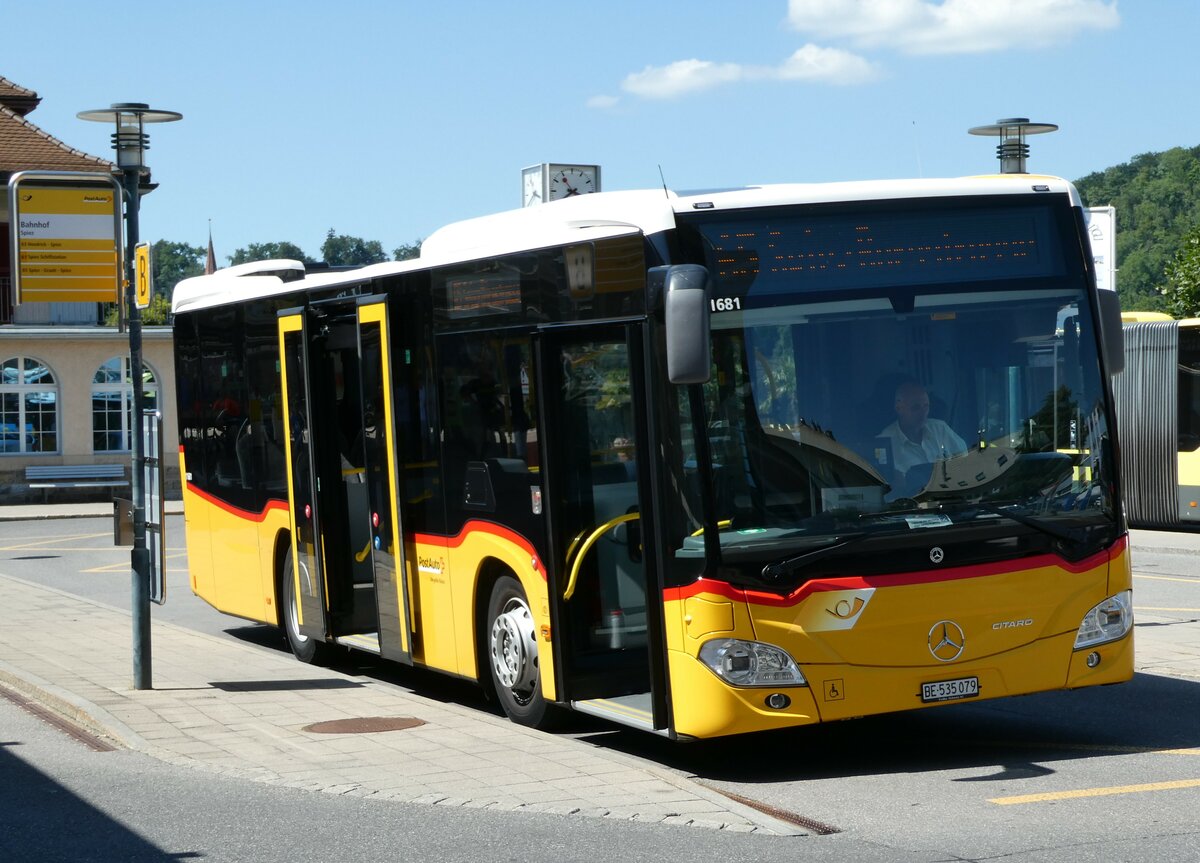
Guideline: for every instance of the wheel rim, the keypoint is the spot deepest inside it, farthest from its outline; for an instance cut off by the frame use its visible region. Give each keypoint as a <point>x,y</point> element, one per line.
<point>514,649</point>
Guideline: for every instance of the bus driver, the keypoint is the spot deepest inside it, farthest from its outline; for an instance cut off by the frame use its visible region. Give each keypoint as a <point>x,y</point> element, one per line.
<point>915,438</point>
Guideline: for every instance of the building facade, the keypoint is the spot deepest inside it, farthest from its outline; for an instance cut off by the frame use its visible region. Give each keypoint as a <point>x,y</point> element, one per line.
<point>65,388</point>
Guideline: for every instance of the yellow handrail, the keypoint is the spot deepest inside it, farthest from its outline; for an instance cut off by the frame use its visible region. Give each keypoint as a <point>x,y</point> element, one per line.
<point>588,543</point>
<point>571,549</point>
<point>726,522</point>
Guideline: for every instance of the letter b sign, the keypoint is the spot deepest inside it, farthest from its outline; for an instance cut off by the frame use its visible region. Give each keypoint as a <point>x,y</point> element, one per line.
<point>142,281</point>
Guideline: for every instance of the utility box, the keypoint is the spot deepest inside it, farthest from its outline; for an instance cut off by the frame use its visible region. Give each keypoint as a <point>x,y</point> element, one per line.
<point>122,522</point>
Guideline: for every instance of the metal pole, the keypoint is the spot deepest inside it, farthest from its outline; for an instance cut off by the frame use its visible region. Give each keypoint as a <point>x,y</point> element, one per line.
<point>140,556</point>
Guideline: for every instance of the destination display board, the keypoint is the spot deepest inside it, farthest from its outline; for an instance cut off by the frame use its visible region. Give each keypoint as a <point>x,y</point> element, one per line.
<point>877,246</point>
<point>482,294</point>
<point>66,238</point>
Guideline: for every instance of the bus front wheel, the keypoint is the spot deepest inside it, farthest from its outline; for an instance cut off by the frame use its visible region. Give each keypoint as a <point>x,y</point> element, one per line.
<point>304,647</point>
<point>513,654</point>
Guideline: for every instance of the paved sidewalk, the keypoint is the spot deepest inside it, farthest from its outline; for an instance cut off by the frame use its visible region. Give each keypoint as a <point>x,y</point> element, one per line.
<point>242,711</point>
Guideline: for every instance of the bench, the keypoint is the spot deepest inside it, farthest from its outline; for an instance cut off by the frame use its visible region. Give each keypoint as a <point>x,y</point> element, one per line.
<point>75,475</point>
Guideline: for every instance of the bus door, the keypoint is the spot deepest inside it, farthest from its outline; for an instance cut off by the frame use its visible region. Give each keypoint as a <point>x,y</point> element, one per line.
<point>607,593</point>
<point>307,575</point>
<point>342,466</point>
<point>381,469</point>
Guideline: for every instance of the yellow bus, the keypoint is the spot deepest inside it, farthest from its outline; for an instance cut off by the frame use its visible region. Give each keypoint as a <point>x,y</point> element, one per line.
<point>637,454</point>
<point>1158,417</point>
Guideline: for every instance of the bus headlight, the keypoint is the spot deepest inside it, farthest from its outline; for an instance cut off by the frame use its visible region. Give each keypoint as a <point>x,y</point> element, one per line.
<point>1108,621</point>
<point>750,663</point>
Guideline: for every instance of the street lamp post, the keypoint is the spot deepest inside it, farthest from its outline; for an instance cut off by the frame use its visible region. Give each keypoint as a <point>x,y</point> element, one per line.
<point>131,141</point>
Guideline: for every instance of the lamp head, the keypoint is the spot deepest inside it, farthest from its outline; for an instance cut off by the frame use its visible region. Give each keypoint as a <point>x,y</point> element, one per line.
<point>130,140</point>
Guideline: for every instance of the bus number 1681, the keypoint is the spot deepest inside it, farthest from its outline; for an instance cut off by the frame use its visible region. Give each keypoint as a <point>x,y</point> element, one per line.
<point>725,304</point>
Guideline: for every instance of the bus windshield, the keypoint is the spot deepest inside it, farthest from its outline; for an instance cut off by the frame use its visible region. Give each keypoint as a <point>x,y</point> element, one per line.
<point>949,407</point>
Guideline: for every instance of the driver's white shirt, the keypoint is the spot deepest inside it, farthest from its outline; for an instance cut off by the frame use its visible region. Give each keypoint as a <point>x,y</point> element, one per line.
<point>938,441</point>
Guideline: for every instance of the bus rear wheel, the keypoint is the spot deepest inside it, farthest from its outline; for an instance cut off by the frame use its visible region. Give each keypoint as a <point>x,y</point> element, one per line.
<point>513,654</point>
<point>304,647</point>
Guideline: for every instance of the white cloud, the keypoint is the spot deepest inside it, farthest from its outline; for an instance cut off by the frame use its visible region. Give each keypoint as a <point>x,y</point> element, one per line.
<point>831,65</point>
<point>682,76</point>
<point>951,26</point>
<point>909,26</point>
<point>810,63</point>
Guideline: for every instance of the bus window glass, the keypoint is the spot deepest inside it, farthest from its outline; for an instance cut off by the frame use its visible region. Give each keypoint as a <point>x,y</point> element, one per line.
<point>1189,389</point>
<point>490,416</point>
<point>804,416</point>
<point>951,386</point>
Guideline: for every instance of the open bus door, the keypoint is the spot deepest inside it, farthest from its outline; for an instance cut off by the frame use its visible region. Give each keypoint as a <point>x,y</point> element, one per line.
<point>304,604</point>
<point>606,591</point>
<point>383,473</point>
<point>347,580</point>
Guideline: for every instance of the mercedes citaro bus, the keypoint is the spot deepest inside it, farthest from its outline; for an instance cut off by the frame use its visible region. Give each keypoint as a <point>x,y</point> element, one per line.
<point>635,453</point>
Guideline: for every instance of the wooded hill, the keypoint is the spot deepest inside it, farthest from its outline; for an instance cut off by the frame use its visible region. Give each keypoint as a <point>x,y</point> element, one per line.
<point>1157,196</point>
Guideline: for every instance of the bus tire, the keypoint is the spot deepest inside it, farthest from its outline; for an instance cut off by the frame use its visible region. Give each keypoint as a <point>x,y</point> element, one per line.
<point>304,648</point>
<point>512,654</point>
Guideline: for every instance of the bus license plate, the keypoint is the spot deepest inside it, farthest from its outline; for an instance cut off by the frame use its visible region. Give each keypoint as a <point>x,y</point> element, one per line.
<point>948,690</point>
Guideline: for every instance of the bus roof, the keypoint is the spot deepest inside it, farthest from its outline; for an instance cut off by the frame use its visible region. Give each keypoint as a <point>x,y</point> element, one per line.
<point>1132,317</point>
<point>583,219</point>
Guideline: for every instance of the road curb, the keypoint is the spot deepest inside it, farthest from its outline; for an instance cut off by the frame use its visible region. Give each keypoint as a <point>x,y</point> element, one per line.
<point>83,713</point>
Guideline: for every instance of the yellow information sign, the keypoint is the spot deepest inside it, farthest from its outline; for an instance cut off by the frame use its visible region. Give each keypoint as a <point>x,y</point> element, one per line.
<point>141,273</point>
<point>67,241</point>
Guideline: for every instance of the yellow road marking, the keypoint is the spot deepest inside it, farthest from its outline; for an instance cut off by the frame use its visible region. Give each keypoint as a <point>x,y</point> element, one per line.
<point>1095,792</point>
<point>1167,578</point>
<point>1098,747</point>
<point>26,546</point>
<point>88,550</point>
<point>123,565</point>
<point>112,567</point>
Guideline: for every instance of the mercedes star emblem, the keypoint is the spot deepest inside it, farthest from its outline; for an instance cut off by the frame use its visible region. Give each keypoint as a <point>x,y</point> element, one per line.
<point>946,640</point>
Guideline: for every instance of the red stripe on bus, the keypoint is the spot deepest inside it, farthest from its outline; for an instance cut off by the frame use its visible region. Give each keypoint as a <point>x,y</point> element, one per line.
<point>480,526</point>
<point>237,511</point>
<point>474,526</point>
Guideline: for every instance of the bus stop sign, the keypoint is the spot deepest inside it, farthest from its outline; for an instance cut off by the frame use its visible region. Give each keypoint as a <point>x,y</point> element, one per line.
<point>142,277</point>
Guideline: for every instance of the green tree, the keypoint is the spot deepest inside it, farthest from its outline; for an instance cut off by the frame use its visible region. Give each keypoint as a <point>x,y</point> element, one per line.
<point>1157,196</point>
<point>172,262</point>
<point>340,250</point>
<point>1182,289</point>
<point>407,251</point>
<point>268,252</point>
<point>158,313</point>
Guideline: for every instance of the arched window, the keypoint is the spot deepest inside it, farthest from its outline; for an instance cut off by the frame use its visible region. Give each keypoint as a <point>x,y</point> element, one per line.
<point>113,425</point>
<point>28,407</point>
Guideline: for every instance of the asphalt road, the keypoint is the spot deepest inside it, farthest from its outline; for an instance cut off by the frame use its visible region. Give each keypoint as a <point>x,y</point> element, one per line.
<point>61,801</point>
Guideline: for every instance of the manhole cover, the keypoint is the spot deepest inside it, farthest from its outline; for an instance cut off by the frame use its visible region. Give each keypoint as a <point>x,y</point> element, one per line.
<point>364,725</point>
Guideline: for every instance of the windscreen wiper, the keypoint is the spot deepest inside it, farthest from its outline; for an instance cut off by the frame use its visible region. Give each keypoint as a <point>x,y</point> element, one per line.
<point>1073,535</point>
<point>781,569</point>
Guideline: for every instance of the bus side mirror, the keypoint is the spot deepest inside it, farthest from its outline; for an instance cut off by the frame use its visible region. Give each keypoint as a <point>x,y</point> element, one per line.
<point>689,352</point>
<point>1112,334</point>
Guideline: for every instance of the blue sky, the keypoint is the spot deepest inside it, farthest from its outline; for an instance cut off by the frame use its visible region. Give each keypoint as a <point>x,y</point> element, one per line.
<point>386,120</point>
